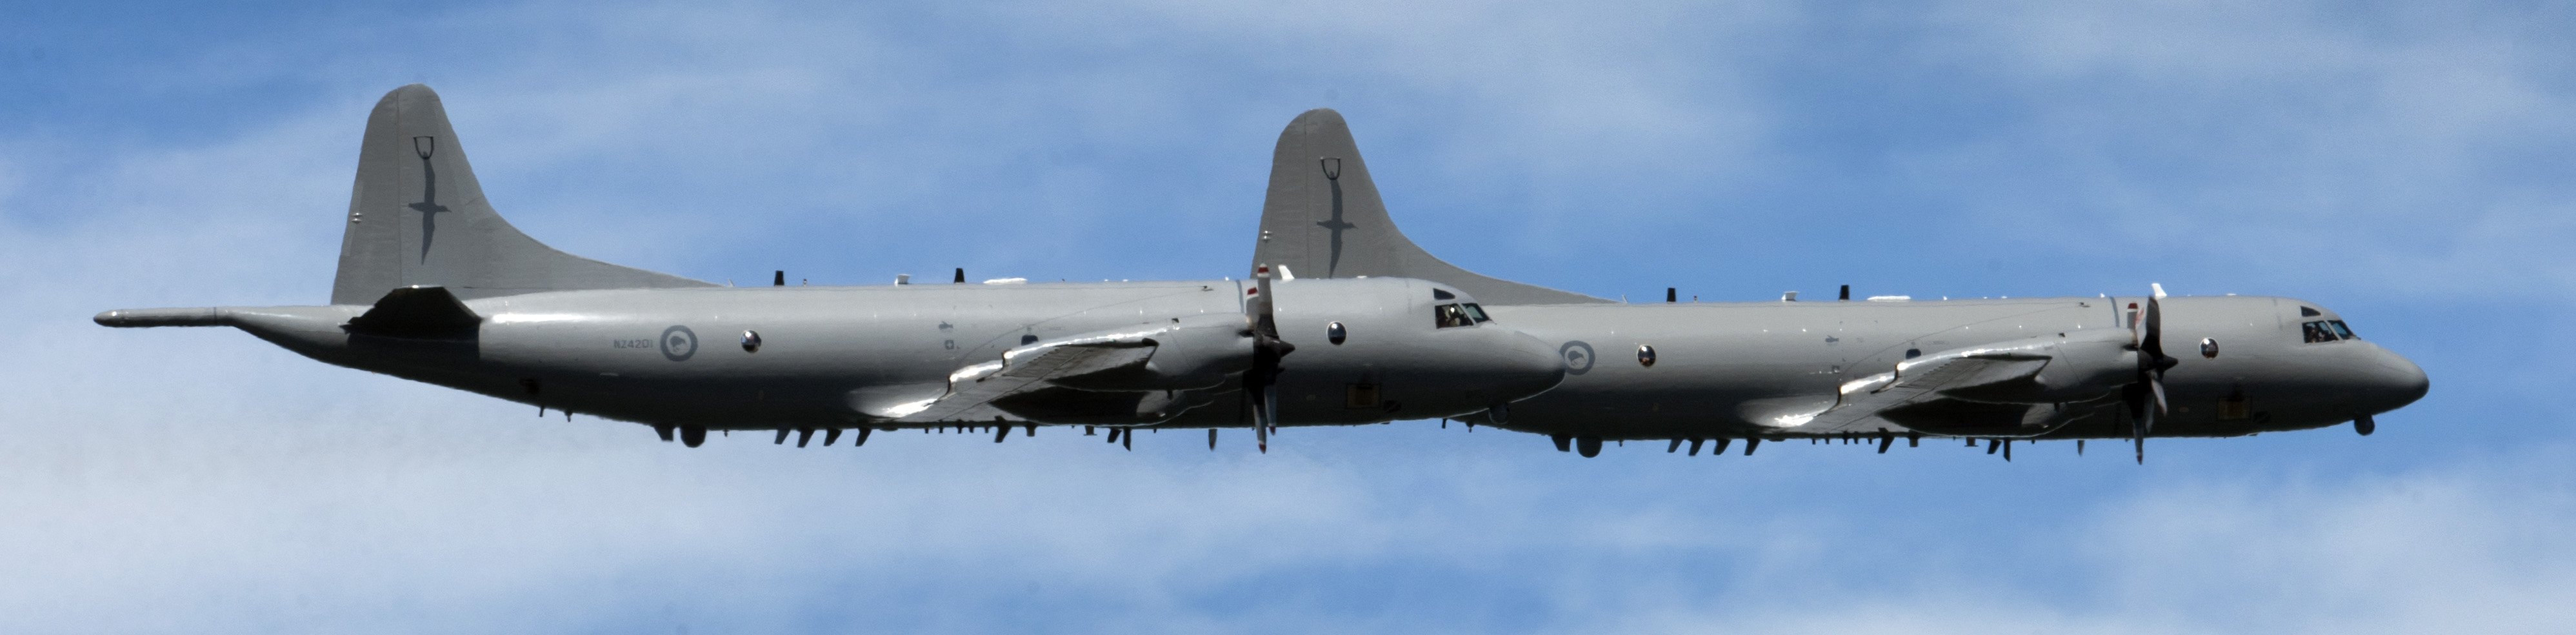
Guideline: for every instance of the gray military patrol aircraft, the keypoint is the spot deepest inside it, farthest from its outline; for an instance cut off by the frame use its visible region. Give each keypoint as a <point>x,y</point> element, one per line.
<point>434,286</point>
<point>1874,370</point>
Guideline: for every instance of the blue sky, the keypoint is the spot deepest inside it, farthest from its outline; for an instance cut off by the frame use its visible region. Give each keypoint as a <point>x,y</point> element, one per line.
<point>2411,165</point>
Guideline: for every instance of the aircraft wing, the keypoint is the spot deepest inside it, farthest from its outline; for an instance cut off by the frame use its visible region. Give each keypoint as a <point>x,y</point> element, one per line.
<point>1915,395</point>
<point>1988,391</point>
<point>1096,378</point>
<point>972,390</point>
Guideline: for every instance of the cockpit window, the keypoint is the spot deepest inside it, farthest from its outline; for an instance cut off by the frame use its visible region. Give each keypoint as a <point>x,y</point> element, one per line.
<point>1449,315</point>
<point>1442,294</point>
<point>2309,312</point>
<point>2325,331</point>
<point>1477,312</point>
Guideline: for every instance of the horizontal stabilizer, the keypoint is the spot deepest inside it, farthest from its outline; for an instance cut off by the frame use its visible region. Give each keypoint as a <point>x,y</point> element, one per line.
<point>418,312</point>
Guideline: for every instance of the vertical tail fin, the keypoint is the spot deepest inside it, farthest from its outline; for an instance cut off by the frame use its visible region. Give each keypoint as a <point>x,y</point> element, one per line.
<point>417,218</point>
<point>1323,219</point>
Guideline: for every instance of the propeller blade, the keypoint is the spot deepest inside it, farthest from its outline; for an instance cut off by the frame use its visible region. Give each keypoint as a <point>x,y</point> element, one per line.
<point>1267,348</point>
<point>2151,331</point>
<point>2144,422</point>
<point>2146,397</point>
<point>1269,419</point>
<point>1263,404</point>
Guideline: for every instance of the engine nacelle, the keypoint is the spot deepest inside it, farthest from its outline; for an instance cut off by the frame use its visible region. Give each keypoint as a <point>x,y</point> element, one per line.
<point>1366,350</point>
<point>1192,353</point>
<point>2069,369</point>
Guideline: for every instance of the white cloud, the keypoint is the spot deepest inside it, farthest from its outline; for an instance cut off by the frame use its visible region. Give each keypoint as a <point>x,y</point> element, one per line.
<point>2459,549</point>
<point>2388,141</point>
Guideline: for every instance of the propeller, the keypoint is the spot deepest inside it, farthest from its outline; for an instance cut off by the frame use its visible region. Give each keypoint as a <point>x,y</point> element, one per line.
<point>2146,396</point>
<point>1267,348</point>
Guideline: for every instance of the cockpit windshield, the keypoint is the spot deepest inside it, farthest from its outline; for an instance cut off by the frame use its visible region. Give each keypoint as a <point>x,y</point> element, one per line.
<point>1477,312</point>
<point>2325,331</point>
<point>1452,315</point>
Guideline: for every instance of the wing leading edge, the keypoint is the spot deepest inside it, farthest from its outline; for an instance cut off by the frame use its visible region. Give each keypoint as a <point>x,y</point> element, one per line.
<point>1127,377</point>
<point>2020,390</point>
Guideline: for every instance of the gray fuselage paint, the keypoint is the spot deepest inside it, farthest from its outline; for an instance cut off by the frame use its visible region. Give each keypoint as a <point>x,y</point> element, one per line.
<point>1724,369</point>
<point>672,356</point>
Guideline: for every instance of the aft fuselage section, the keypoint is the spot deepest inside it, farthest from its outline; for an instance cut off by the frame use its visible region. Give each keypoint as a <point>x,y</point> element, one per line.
<point>807,357</point>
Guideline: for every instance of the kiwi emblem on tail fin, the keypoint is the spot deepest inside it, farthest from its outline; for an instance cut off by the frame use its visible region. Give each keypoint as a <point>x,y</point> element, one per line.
<point>1336,226</point>
<point>417,218</point>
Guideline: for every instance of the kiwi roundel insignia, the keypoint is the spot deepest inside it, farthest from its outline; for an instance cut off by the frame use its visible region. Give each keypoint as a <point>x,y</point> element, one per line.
<point>678,343</point>
<point>1578,357</point>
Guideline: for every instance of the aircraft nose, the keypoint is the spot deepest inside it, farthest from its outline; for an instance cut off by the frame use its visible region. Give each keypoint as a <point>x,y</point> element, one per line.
<point>1534,366</point>
<point>2391,381</point>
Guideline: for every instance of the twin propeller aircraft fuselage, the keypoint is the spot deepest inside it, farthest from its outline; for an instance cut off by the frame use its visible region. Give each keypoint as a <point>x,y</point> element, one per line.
<point>1343,322</point>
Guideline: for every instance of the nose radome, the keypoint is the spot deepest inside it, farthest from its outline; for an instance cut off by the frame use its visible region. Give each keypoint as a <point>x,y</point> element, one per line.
<point>1536,363</point>
<point>2395,381</point>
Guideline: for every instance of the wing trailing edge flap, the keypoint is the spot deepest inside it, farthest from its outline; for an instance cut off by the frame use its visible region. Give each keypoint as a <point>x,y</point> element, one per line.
<point>1126,377</point>
<point>1990,391</point>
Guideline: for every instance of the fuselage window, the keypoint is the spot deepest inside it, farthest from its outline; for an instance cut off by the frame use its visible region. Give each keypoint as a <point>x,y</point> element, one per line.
<point>1449,315</point>
<point>1476,312</point>
<point>1336,333</point>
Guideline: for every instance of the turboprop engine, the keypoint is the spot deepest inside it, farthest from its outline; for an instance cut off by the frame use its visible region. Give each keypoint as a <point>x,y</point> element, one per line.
<point>1191,353</point>
<point>2077,367</point>
<point>1331,351</point>
<point>1127,376</point>
<point>2069,368</point>
<point>2041,383</point>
